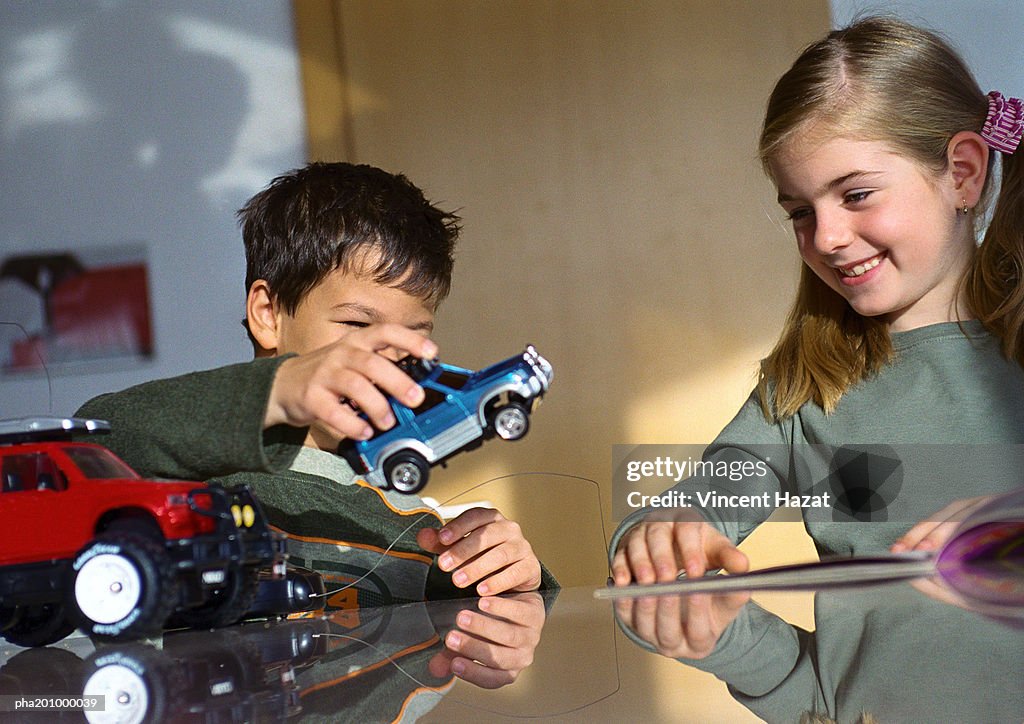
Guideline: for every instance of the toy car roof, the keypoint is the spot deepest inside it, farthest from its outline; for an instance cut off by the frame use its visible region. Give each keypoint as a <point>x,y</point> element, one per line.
<point>38,429</point>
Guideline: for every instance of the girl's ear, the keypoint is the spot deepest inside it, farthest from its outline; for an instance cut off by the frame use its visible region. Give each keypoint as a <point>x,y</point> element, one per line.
<point>261,313</point>
<point>967,155</point>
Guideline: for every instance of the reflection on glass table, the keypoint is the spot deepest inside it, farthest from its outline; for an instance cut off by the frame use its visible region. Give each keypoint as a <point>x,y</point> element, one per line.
<point>900,651</point>
<point>392,663</point>
<point>892,651</point>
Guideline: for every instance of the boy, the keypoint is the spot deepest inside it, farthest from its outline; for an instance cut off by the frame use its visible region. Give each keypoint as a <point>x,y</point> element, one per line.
<point>346,266</point>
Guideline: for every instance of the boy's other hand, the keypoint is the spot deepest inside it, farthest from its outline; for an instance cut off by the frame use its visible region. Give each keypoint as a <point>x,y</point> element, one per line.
<point>482,545</point>
<point>328,386</point>
<point>656,552</point>
<point>490,647</point>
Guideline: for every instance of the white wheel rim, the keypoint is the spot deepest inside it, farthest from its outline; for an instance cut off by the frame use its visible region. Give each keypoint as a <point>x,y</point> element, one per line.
<point>126,699</point>
<point>107,588</point>
<point>405,476</point>
<point>511,423</point>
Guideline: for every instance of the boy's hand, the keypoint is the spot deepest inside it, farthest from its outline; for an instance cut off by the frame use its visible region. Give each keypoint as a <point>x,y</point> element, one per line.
<point>681,626</point>
<point>655,552</point>
<point>482,545</point>
<point>328,385</point>
<point>931,534</point>
<point>490,647</point>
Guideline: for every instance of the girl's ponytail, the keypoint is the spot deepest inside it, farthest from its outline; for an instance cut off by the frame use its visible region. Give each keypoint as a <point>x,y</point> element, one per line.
<point>994,290</point>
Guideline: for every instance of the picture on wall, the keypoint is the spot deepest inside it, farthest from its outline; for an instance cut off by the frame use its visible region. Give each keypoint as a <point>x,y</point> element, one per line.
<point>68,308</point>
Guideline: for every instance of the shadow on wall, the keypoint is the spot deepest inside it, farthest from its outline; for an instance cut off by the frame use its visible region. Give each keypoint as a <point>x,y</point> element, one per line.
<point>102,136</point>
<point>143,124</point>
<point>105,110</point>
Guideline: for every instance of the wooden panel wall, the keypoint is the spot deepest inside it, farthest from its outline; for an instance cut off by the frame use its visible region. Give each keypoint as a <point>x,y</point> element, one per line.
<point>603,157</point>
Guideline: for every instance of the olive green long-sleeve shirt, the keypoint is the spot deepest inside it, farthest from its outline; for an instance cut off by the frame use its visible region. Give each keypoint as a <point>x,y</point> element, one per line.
<point>208,426</point>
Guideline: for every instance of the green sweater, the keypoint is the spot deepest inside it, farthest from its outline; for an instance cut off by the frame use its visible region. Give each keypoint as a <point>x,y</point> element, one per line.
<point>943,421</point>
<point>208,426</point>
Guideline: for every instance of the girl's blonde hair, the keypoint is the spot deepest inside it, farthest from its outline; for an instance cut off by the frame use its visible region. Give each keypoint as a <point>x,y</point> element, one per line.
<point>881,79</point>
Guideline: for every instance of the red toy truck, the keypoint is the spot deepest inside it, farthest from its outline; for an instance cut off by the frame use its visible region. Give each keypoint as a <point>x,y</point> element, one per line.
<point>84,541</point>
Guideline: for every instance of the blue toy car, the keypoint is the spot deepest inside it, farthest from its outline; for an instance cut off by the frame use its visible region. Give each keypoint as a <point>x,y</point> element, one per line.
<point>462,408</point>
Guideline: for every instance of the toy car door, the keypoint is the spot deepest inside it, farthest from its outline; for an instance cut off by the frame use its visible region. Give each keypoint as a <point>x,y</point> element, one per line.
<point>443,422</point>
<point>38,522</point>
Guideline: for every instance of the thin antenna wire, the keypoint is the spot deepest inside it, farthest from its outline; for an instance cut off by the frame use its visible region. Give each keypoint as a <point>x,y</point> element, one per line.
<point>42,362</point>
<point>469,705</point>
<point>380,559</point>
<point>604,535</point>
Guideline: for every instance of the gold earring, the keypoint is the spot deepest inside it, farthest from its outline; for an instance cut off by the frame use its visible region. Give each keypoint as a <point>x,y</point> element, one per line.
<point>964,210</point>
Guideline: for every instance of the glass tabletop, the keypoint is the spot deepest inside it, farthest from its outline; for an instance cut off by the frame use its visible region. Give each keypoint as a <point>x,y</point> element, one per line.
<point>898,652</point>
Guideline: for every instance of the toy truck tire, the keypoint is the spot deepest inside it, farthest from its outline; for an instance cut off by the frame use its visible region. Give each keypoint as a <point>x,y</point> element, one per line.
<point>227,606</point>
<point>37,625</point>
<point>406,471</point>
<point>137,680</point>
<point>122,586</point>
<point>126,691</point>
<point>511,421</point>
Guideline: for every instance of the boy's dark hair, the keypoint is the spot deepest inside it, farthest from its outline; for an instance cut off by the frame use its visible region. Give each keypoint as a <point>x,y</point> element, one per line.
<point>323,216</point>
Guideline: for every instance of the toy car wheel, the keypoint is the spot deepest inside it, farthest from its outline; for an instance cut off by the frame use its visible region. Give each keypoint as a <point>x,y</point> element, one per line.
<point>511,421</point>
<point>124,690</point>
<point>136,680</point>
<point>123,586</point>
<point>56,672</point>
<point>37,625</point>
<point>226,605</point>
<point>406,472</point>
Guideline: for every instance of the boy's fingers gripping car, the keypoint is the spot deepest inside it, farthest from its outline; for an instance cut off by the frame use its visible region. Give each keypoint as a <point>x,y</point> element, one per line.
<point>461,409</point>
<point>85,541</point>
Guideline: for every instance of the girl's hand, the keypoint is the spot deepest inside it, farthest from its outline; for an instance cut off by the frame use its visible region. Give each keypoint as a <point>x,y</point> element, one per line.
<point>681,626</point>
<point>656,552</point>
<point>482,545</point>
<point>931,534</point>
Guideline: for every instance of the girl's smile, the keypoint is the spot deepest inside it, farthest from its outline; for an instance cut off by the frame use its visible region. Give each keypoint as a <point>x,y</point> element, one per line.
<point>878,229</point>
<point>859,269</point>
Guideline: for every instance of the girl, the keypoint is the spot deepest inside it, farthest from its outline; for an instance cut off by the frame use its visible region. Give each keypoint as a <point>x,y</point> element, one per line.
<point>904,331</point>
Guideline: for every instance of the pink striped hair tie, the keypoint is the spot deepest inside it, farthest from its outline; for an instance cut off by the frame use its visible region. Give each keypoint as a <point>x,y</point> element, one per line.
<point>1004,124</point>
